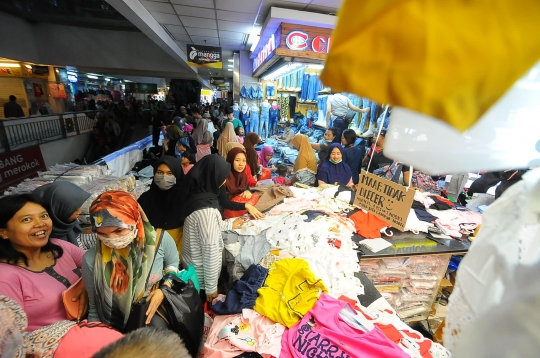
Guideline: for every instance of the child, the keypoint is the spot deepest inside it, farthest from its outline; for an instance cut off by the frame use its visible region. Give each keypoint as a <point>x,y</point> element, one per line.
<point>188,160</point>
<point>281,172</point>
<point>240,134</point>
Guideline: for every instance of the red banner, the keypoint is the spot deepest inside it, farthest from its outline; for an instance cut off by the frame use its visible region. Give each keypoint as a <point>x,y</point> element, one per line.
<point>18,165</point>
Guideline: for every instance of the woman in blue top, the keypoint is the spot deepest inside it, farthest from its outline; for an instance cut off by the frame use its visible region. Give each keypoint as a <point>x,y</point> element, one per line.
<point>334,170</point>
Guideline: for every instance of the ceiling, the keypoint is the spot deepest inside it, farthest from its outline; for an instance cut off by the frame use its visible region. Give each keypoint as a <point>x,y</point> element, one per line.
<point>225,23</point>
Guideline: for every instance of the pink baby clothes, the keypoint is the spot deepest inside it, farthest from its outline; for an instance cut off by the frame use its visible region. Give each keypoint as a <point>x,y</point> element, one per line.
<point>202,151</point>
<point>40,293</point>
<point>322,333</point>
<point>246,332</point>
<point>240,139</point>
<point>279,180</point>
<point>292,205</point>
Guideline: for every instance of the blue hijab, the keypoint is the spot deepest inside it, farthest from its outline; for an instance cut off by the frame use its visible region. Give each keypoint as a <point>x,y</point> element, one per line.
<point>331,173</point>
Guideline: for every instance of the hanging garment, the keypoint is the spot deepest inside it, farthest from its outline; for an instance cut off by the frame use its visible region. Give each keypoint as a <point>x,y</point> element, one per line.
<point>323,332</point>
<point>290,291</point>
<point>498,280</point>
<point>457,92</point>
<point>244,92</point>
<point>254,121</point>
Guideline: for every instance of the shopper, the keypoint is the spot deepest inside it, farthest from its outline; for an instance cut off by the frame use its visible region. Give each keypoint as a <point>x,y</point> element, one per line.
<point>12,109</point>
<point>334,170</point>
<point>337,107</point>
<point>201,135</point>
<point>352,155</point>
<point>188,160</point>
<point>239,179</point>
<point>305,165</point>
<point>240,134</point>
<point>35,270</point>
<point>266,153</point>
<point>252,139</point>
<point>281,171</point>
<point>230,146</point>
<point>380,160</point>
<point>287,135</point>
<point>231,119</point>
<point>112,131</point>
<point>330,136</point>
<point>174,134</point>
<point>203,243</point>
<point>127,249</point>
<point>165,193</point>
<point>227,136</point>
<point>63,201</point>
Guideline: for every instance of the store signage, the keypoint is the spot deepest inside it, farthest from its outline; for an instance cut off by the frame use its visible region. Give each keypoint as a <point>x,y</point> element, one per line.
<point>299,41</point>
<point>389,201</point>
<point>204,56</point>
<point>19,165</point>
<point>10,71</point>
<point>72,76</point>
<point>266,52</point>
<point>137,87</point>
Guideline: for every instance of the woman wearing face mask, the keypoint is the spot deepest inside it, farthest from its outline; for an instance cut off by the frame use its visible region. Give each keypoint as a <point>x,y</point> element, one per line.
<point>203,243</point>
<point>330,136</point>
<point>334,170</point>
<point>63,201</point>
<point>164,194</point>
<point>115,271</point>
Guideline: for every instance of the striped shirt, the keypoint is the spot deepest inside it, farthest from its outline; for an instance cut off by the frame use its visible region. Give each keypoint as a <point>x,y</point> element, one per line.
<point>203,246</point>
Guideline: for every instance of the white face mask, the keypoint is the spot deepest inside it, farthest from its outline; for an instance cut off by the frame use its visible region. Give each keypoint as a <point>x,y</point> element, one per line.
<point>164,182</point>
<point>118,242</point>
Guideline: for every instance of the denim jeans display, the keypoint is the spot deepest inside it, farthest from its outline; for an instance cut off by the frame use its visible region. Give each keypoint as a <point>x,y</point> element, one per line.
<point>305,86</point>
<point>321,104</point>
<point>253,122</point>
<point>384,121</point>
<point>244,92</point>
<point>236,113</point>
<point>373,112</point>
<point>263,124</point>
<point>365,104</point>
<point>273,118</point>
<point>270,90</point>
<point>244,118</point>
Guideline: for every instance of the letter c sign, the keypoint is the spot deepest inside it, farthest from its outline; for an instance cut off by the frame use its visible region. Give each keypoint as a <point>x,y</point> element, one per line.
<point>297,40</point>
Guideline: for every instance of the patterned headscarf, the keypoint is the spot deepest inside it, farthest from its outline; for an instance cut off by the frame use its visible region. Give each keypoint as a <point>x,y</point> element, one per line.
<point>120,274</point>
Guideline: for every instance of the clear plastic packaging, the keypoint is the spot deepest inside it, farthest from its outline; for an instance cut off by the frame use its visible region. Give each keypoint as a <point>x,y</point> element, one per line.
<point>407,296</point>
<point>423,284</point>
<point>411,312</point>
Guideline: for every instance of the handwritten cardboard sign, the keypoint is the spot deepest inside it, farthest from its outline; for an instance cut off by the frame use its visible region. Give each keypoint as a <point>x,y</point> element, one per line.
<point>389,201</point>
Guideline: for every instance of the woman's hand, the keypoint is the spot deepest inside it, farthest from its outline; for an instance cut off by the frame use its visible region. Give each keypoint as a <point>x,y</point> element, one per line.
<point>165,141</point>
<point>82,297</point>
<point>181,148</point>
<point>211,297</point>
<point>237,224</point>
<point>246,194</point>
<point>254,212</point>
<point>155,297</point>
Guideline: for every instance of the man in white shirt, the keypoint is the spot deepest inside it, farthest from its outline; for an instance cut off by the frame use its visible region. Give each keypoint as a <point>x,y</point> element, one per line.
<point>337,107</point>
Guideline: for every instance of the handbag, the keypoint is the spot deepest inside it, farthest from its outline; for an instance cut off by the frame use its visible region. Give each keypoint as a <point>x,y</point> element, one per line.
<point>185,312</point>
<point>137,314</point>
<point>229,214</point>
<point>72,308</point>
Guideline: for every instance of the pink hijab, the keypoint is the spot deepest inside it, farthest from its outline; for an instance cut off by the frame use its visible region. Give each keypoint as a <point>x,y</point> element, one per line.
<point>263,153</point>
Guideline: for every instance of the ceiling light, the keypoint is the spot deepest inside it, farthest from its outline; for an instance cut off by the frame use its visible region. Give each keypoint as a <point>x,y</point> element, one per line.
<point>255,32</point>
<point>9,64</point>
<point>231,60</point>
<point>230,69</point>
<point>28,66</point>
<point>107,79</point>
<point>231,66</point>
<point>92,77</point>
<point>255,43</point>
<point>283,70</point>
<point>71,73</point>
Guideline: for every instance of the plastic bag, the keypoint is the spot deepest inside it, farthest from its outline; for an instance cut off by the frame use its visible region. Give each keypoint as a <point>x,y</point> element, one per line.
<point>190,274</point>
<point>185,313</point>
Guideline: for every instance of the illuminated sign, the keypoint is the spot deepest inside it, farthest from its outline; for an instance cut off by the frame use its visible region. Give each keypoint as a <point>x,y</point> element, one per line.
<point>266,52</point>
<point>72,77</point>
<point>299,41</point>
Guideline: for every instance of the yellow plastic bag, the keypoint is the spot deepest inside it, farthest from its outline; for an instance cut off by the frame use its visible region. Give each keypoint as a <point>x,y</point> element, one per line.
<point>451,60</point>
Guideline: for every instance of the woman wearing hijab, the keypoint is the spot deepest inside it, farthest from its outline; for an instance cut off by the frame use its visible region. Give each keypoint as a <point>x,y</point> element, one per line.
<point>203,243</point>
<point>63,201</point>
<point>169,144</point>
<point>164,194</point>
<point>238,181</point>
<point>115,271</point>
<point>252,139</point>
<point>305,165</point>
<point>227,136</point>
<point>230,146</point>
<point>334,170</point>
<point>203,138</point>
<point>266,153</point>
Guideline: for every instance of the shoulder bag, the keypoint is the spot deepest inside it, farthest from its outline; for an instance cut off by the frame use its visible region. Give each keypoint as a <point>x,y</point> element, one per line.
<point>137,315</point>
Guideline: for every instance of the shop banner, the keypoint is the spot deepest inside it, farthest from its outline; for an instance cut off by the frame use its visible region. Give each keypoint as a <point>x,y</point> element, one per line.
<point>389,201</point>
<point>137,87</point>
<point>20,164</point>
<point>10,71</point>
<point>204,56</point>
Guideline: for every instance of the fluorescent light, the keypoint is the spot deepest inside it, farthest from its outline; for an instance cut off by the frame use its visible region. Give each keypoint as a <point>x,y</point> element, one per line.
<point>28,66</point>
<point>255,43</point>
<point>107,79</point>
<point>254,35</point>
<point>230,69</point>
<point>92,77</point>
<point>9,64</point>
<point>230,60</point>
<point>71,73</point>
<point>231,66</point>
<point>284,70</point>
<point>316,67</point>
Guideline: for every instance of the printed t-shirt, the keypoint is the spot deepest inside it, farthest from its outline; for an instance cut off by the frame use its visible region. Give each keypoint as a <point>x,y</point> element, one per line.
<point>368,225</point>
<point>322,333</point>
